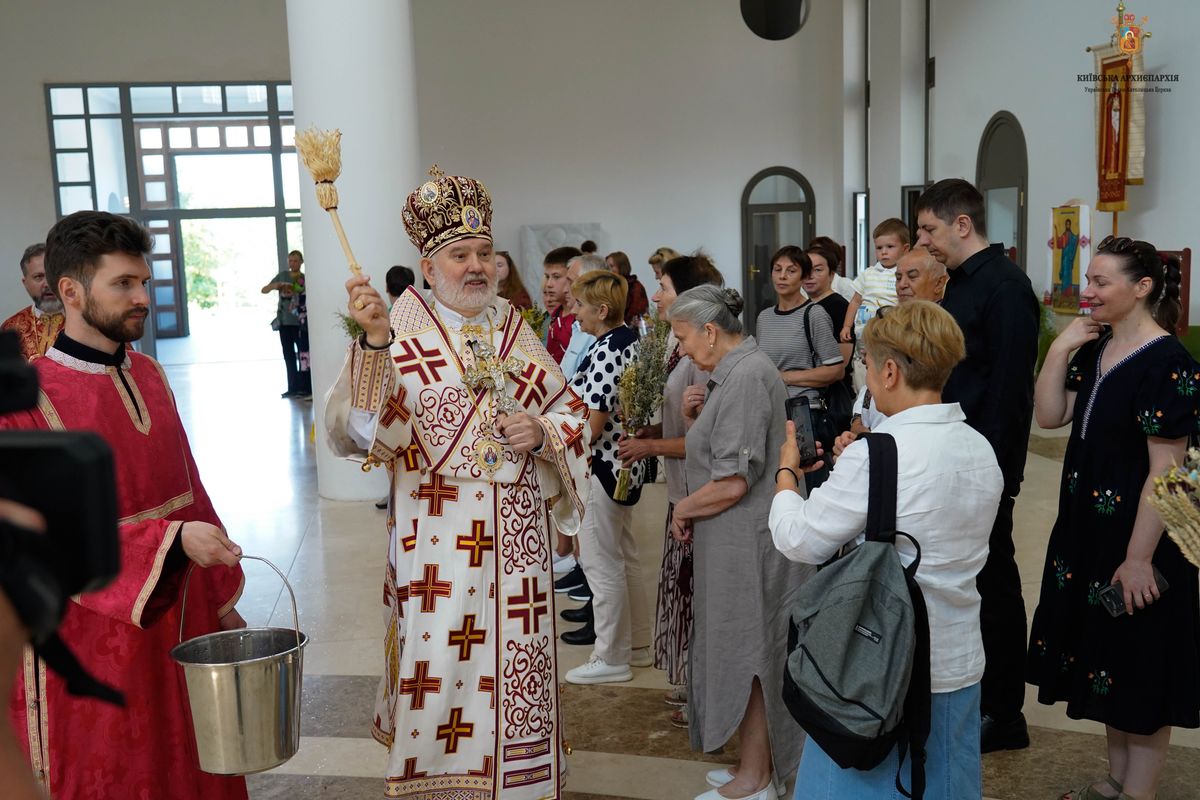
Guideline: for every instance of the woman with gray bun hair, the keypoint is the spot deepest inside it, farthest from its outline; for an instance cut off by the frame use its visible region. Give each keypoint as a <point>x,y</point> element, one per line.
<point>742,585</point>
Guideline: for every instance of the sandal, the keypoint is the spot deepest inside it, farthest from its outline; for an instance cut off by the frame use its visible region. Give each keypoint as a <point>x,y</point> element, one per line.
<point>679,717</point>
<point>1088,793</point>
<point>676,697</point>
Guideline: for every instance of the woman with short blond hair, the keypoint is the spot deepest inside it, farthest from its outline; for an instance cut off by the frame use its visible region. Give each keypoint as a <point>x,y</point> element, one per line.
<point>948,490</point>
<point>620,624</point>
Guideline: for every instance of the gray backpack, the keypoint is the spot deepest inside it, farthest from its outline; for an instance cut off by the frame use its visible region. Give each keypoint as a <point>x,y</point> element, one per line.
<point>857,677</point>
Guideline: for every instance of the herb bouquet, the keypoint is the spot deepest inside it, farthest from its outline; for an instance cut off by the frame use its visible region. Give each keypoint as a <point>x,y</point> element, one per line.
<point>640,391</point>
<point>535,317</point>
<point>1176,498</point>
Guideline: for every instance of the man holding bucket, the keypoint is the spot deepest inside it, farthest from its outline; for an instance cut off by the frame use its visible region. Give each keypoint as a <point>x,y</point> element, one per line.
<point>81,747</point>
<point>458,398</point>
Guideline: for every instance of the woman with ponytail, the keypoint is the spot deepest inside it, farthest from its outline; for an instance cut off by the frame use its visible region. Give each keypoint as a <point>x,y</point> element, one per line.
<point>1131,394</point>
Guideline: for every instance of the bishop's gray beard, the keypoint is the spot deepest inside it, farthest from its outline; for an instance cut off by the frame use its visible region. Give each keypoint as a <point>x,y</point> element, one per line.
<point>466,301</point>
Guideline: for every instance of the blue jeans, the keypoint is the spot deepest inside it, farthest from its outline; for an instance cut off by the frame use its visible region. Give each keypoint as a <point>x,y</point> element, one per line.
<point>953,769</point>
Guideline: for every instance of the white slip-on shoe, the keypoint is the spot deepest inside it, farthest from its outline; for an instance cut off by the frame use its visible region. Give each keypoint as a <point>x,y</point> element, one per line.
<point>596,670</point>
<point>765,794</point>
<point>641,657</point>
<point>720,777</point>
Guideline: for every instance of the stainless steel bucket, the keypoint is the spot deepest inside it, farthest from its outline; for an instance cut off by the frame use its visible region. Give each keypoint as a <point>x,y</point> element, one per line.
<point>244,689</point>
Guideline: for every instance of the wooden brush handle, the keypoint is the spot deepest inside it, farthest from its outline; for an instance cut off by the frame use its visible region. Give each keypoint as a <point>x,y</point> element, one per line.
<point>341,234</point>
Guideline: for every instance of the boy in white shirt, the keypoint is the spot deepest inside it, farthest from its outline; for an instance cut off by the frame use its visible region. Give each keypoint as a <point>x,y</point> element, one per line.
<point>875,288</point>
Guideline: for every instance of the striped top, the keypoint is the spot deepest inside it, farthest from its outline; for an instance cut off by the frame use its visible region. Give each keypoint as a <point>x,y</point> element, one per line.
<point>877,285</point>
<point>781,336</point>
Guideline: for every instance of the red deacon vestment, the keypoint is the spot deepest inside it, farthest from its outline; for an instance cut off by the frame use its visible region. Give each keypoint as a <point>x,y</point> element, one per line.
<point>36,331</point>
<point>85,748</point>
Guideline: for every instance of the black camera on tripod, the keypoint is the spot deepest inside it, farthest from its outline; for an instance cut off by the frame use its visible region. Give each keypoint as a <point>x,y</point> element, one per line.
<point>68,477</point>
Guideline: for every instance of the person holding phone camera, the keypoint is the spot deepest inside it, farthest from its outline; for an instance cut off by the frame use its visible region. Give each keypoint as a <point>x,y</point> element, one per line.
<point>1131,395</point>
<point>948,487</point>
<point>742,586</point>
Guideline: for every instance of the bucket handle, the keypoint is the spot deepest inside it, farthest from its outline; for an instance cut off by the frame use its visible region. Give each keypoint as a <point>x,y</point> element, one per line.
<point>295,615</point>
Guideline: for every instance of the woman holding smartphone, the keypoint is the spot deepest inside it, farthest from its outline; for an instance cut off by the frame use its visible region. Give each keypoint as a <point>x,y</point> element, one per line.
<point>1130,394</point>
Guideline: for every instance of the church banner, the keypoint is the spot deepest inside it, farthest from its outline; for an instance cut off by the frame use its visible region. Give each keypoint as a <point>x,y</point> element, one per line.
<point>1120,124</point>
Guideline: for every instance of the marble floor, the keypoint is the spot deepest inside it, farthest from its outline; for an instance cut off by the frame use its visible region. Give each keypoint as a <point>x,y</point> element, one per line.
<point>256,458</point>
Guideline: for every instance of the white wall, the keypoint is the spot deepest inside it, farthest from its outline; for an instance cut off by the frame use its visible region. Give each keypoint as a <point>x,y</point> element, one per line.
<point>117,40</point>
<point>648,117</point>
<point>982,70</point>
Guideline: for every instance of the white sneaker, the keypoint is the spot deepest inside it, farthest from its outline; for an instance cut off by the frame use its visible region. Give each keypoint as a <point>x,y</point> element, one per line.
<point>596,670</point>
<point>715,794</point>
<point>641,657</point>
<point>563,563</point>
<point>720,777</point>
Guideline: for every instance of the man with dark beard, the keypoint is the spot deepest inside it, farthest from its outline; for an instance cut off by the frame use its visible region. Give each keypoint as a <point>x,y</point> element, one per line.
<point>78,747</point>
<point>39,324</point>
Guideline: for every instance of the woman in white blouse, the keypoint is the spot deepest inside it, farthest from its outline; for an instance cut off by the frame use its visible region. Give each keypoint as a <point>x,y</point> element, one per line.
<point>948,490</point>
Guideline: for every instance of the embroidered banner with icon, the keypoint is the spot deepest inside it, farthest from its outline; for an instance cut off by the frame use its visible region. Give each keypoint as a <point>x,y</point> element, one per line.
<point>1120,125</point>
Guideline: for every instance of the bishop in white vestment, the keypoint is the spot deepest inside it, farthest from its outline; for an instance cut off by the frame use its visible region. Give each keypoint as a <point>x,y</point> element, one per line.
<point>484,441</point>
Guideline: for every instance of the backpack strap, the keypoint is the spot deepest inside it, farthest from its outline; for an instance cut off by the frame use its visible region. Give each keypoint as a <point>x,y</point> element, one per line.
<point>917,711</point>
<point>812,351</point>
<point>881,496</point>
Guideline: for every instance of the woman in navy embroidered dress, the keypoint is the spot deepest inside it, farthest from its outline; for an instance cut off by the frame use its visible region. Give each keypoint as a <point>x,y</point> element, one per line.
<point>1131,395</point>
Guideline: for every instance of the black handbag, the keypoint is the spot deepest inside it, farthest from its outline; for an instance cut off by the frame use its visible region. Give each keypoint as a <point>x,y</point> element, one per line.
<point>837,401</point>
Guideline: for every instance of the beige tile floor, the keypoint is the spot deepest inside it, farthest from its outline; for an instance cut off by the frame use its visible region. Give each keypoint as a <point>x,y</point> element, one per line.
<point>333,552</point>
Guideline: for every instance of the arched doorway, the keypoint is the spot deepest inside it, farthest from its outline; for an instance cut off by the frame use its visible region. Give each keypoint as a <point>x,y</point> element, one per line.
<point>1002,175</point>
<point>777,209</point>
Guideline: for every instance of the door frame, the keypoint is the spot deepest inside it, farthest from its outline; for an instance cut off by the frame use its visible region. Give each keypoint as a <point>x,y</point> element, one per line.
<point>999,122</point>
<point>748,270</point>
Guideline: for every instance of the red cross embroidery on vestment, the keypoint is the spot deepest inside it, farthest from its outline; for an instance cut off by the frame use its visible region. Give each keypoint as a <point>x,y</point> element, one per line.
<point>410,770</point>
<point>476,543</point>
<point>429,589</point>
<point>437,492</point>
<point>467,637</point>
<point>419,685</point>
<point>488,685</point>
<point>395,409</point>
<point>529,606</point>
<point>531,386</point>
<point>573,438</point>
<point>454,729</point>
<point>415,359</point>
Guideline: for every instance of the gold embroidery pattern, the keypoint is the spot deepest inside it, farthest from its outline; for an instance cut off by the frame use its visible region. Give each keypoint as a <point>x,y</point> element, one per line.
<point>142,425</point>
<point>167,508</point>
<point>441,787</point>
<point>33,713</point>
<point>410,316</point>
<point>371,376</point>
<point>237,595</point>
<point>554,452</point>
<point>48,411</point>
<point>155,573</point>
<point>531,346</point>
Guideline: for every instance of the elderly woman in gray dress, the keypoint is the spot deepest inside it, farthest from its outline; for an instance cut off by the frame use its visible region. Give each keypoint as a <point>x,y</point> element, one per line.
<point>743,586</point>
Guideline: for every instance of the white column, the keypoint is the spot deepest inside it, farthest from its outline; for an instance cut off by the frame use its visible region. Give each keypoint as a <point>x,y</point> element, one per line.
<point>352,69</point>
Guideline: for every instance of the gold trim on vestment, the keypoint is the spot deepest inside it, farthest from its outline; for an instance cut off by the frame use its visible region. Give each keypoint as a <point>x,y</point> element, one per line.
<point>53,420</point>
<point>142,425</point>
<point>155,573</point>
<point>159,512</point>
<point>232,602</point>
<point>33,717</point>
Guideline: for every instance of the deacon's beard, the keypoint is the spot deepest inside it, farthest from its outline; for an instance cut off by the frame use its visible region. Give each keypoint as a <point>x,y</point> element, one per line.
<point>463,299</point>
<point>49,305</point>
<point>127,327</point>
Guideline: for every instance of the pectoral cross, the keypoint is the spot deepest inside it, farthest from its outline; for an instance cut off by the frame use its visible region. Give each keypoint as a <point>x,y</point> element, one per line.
<point>489,372</point>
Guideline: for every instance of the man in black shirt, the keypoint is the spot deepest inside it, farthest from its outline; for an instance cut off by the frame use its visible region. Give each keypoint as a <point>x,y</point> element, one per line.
<point>994,304</point>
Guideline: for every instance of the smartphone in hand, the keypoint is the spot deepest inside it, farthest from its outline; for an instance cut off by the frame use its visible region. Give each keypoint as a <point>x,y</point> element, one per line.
<point>1112,597</point>
<point>801,416</point>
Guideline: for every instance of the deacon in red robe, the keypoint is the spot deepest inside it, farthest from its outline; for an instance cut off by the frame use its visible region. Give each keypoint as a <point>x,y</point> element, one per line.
<point>37,325</point>
<point>81,747</point>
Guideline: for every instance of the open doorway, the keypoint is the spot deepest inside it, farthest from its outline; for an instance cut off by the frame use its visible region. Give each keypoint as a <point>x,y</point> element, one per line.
<point>1002,175</point>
